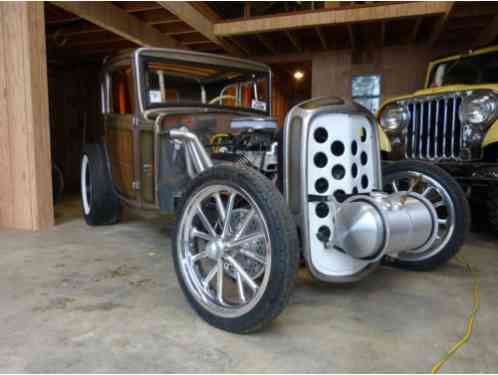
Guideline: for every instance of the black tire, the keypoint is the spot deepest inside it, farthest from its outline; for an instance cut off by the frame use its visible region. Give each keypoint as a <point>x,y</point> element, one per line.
<point>104,207</point>
<point>492,209</point>
<point>461,209</point>
<point>283,239</point>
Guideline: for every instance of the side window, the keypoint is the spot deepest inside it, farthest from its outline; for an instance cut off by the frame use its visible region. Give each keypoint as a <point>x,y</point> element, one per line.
<point>122,101</point>
<point>366,91</point>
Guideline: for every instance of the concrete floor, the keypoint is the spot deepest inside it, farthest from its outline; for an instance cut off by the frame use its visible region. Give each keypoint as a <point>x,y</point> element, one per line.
<point>80,298</point>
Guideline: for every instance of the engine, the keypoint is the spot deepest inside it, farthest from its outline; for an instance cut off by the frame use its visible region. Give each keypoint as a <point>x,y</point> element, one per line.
<point>252,143</point>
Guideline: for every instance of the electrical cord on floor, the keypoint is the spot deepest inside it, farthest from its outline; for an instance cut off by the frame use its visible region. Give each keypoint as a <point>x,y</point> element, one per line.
<point>470,320</point>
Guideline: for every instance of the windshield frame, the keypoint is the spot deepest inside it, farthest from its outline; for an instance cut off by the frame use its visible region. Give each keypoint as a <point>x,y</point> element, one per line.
<point>454,58</point>
<point>141,56</point>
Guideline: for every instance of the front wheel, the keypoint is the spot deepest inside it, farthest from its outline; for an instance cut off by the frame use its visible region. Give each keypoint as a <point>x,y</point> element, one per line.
<point>451,207</point>
<point>236,249</point>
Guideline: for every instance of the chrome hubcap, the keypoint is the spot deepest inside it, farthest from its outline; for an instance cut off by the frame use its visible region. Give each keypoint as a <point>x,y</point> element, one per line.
<point>224,250</point>
<point>441,201</point>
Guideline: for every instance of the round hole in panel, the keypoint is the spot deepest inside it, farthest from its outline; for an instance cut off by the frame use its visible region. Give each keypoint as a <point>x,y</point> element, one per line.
<point>340,196</point>
<point>320,159</point>
<point>364,181</point>
<point>324,233</point>
<point>354,170</point>
<point>321,135</point>
<point>321,185</point>
<point>322,210</point>
<point>355,190</point>
<point>338,172</point>
<point>337,148</point>
<point>363,136</point>
<point>354,147</point>
<point>363,158</point>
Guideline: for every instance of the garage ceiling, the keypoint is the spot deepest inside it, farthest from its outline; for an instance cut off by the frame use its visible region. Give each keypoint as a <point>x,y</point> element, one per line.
<point>92,30</point>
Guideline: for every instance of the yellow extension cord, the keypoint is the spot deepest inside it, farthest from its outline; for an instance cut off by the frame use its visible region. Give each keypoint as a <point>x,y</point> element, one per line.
<point>470,320</point>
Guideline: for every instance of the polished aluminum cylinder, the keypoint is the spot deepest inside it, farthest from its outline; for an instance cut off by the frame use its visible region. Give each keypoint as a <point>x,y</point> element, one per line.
<point>368,227</point>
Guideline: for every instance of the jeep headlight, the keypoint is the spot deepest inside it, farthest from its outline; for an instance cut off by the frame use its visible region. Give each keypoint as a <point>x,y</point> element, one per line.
<point>478,108</point>
<point>394,117</point>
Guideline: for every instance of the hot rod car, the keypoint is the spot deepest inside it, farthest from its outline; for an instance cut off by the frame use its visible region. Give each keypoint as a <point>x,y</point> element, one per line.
<point>191,133</point>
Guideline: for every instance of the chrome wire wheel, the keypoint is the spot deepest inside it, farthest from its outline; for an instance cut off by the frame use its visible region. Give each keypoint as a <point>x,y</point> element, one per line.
<point>441,200</point>
<point>224,250</point>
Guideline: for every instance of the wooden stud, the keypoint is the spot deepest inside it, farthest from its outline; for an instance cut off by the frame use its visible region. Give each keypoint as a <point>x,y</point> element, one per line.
<point>267,43</point>
<point>294,40</point>
<point>323,41</point>
<point>412,38</point>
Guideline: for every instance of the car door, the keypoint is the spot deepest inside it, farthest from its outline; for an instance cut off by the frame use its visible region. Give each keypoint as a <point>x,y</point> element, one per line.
<point>120,132</point>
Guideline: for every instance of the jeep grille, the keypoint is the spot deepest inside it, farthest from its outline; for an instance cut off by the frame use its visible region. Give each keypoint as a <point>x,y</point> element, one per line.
<point>434,131</point>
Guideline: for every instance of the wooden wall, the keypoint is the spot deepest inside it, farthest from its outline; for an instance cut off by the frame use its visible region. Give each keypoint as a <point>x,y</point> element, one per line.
<point>402,69</point>
<point>26,184</point>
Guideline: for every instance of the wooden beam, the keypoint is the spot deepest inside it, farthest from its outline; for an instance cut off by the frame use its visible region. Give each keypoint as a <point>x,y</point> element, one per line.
<point>25,161</point>
<point>294,40</point>
<point>441,24</point>
<point>267,43</point>
<point>352,41</point>
<point>328,16</point>
<point>118,21</point>
<point>323,41</point>
<point>198,21</point>
<point>489,33</point>
<point>157,17</point>
<point>412,38</point>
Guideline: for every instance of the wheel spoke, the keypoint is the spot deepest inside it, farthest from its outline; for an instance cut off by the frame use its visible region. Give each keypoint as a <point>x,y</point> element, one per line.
<point>254,256</point>
<point>210,276</point>
<point>438,204</point>
<point>219,206</point>
<point>245,223</point>
<point>427,190</point>
<point>219,281</point>
<point>240,286</point>
<point>249,281</point>
<point>197,233</point>
<point>243,240</point>
<point>199,256</point>
<point>228,215</point>
<point>205,221</point>
<point>442,221</point>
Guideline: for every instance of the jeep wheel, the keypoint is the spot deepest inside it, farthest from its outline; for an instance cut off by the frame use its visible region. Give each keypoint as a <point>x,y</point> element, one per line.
<point>99,203</point>
<point>235,249</point>
<point>449,201</point>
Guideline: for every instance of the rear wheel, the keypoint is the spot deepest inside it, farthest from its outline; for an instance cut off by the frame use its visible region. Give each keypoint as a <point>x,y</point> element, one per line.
<point>235,249</point>
<point>99,202</point>
<point>450,203</point>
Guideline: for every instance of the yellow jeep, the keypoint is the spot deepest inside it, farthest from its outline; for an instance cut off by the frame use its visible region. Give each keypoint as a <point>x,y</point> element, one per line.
<point>452,122</point>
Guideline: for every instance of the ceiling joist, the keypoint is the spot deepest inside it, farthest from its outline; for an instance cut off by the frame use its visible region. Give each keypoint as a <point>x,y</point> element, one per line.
<point>198,21</point>
<point>321,36</point>
<point>489,34</point>
<point>441,23</point>
<point>118,21</point>
<point>294,40</point>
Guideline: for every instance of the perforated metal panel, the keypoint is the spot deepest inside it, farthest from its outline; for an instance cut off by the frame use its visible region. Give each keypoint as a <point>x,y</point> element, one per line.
<point>342,159</point>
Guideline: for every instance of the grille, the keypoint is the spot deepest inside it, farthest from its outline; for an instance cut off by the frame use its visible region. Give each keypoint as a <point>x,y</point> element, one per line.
<point>435,131</point>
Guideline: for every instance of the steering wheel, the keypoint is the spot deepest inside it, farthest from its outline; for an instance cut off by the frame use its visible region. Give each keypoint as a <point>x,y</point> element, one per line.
<point>220,98</point>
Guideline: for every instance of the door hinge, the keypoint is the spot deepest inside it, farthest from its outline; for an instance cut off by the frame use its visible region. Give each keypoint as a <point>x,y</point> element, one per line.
<point>136,185</point>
